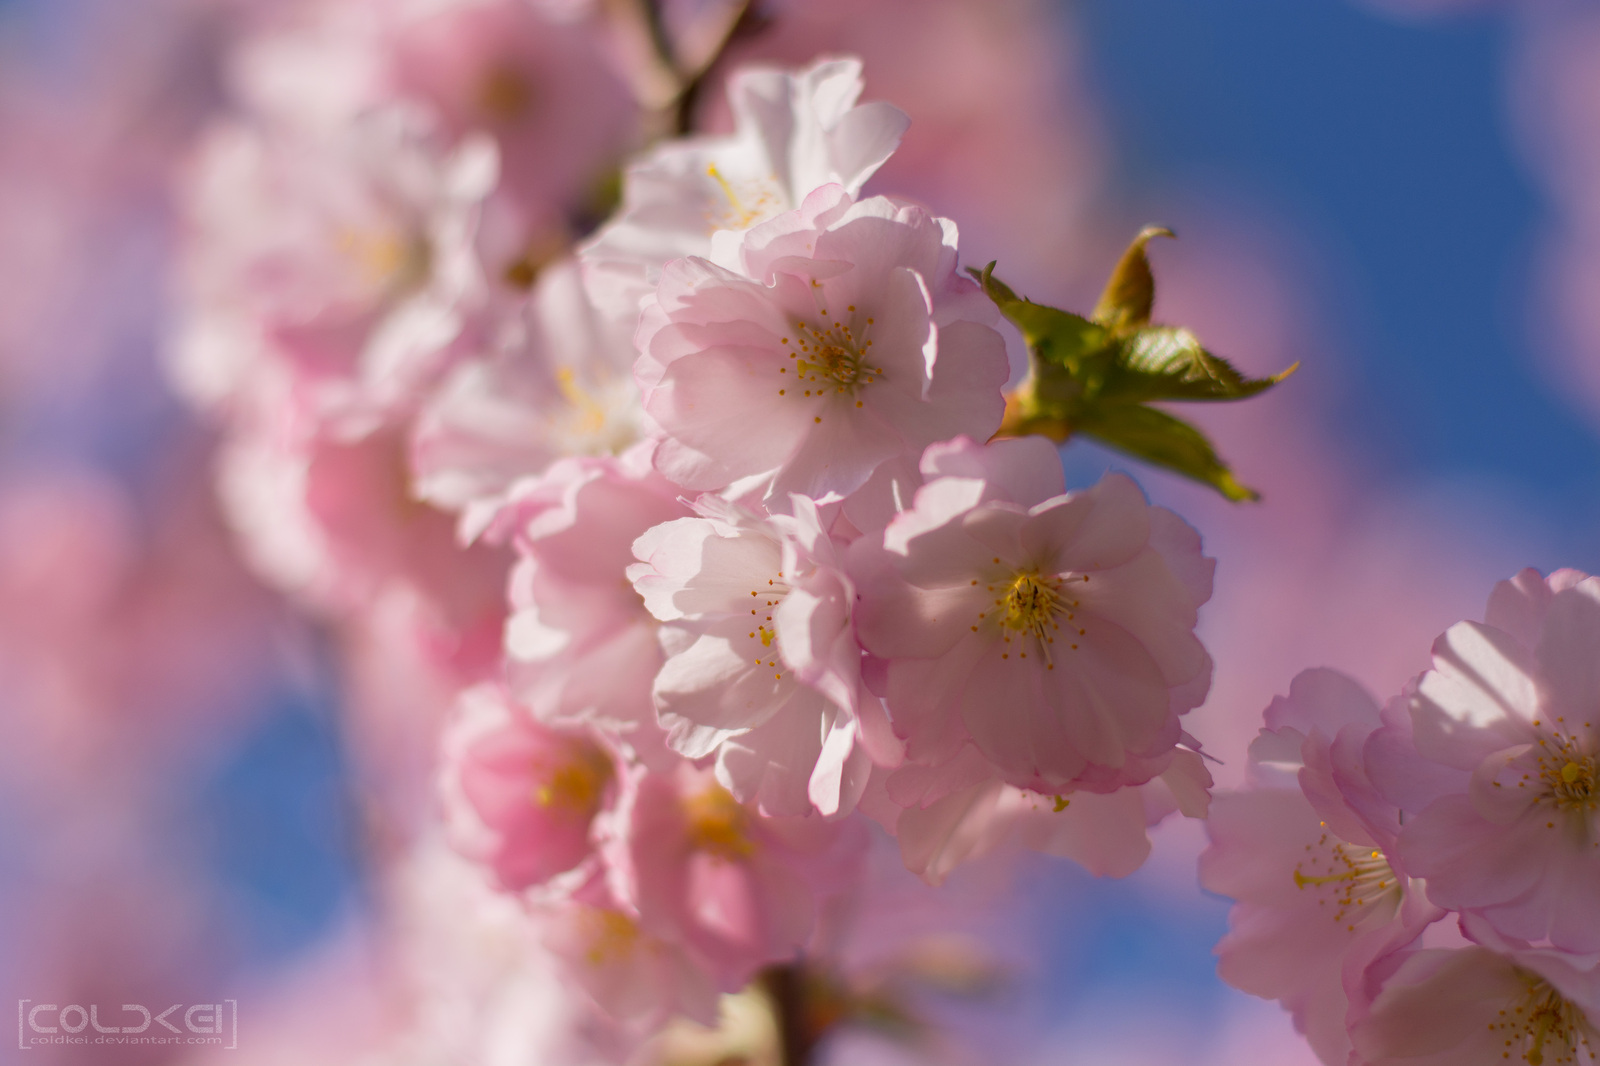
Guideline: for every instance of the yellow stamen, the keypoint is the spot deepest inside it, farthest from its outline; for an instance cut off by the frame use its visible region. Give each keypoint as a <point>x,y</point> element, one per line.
<point>591,416</point>
<point>719,824</point>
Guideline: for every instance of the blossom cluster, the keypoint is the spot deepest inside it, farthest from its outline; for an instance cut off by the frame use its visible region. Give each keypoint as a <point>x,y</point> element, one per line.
<point>1416,881</point>
<point>689,510</point>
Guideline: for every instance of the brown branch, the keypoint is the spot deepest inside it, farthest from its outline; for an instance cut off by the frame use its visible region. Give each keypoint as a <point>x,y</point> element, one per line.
<point>655,23</point>
<point>744,21</point>
<point>785,987</point>
<point>669,74</point>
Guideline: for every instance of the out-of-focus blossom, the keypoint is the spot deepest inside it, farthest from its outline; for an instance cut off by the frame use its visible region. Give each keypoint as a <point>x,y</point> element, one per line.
<point>819,346</point>
<point>349,254</point>
<point>580,644</point>
<point>736,889</point>
<point>1553,87</point>
<point>541,86</point>
<point>558,381</point>
<point>641,977</point>
<point>1307,853</point>
<point>127,638</point>
<point>941,820</point>
<point>537,82</point>
<point>335,523</point>
<point>473,975</point>
<point>521,796</point>
<point>1471,1006</point>
<point>1496,768</point>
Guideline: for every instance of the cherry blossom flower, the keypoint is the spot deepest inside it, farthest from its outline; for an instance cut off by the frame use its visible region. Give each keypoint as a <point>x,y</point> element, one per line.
<point>534,82</point>
<point>736,889</point>
<point>819,346</point>
<point>478,975</point>
<point>542,87</point>
<point>963,811</point>
<point>580,644</point>
<point>521,796</point>
<point>795,132</point>
<point>1306,853</point>
<point>348,255</point>
<point>636,976</point>
<point>1053,631</point>
<point>1471,1006</point>
<point>763,670</point>
<point>1021,164</point>
<point>1496,767</point>
<point>333,523</point>
<point>557,382</point>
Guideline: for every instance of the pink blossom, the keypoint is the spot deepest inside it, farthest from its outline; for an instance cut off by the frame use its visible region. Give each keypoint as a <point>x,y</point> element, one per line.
<point>1306,855</point>
<point>1496,767</point>
<point>1470,1006</point>
<point>521,796</point>
<point>128,637</point>
<point>557,381</point>
<point>349,254</point>
<point>635,975</point>
<point>819,346</point>
<point>1053,631</point>
<point>794,133</point>
<point>1022,164</point>
<point>477,975</point>
<point>961,811</point>
<point>541,87</point>
<point>736,889</point>
<point>534,83</point>
<point>763,670</point>
<point>580,644</point>
<point>334,523</point>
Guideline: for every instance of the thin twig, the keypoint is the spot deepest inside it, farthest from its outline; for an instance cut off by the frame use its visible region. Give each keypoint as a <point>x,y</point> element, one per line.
<point>670,74</point>
<point>742,21</point>
<point>785,987</point>
<point>655,21</point>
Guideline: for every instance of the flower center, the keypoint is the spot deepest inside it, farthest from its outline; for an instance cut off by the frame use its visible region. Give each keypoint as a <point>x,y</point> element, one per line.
<point>574,785</point>
<point>1349,878</point>
<point>719,824</point>
<point>504,95</point>
<point>831,358</point>
<point>597,418</point>
<point>759,202</point>
<point>389,260</point>
<point>1544,1020</point>
<point>607,934</point>
<point>1031,604</point>
<point>765,600</point>
<point>1568,773</point>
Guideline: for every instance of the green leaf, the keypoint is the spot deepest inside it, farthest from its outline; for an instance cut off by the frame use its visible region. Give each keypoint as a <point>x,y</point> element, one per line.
<point>1157,437</point>
<point>1130,294</point>
<point>1053,336</point>
<point>1169,363</point>
<point>1094,375</point>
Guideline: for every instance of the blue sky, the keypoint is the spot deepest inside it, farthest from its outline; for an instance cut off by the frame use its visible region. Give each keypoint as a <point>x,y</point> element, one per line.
<point>1389,146</point>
